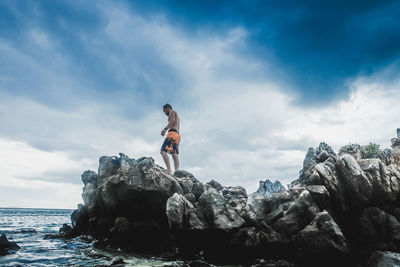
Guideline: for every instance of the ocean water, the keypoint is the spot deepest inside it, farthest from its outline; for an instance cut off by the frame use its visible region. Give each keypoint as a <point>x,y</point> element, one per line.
<point>28,227</point>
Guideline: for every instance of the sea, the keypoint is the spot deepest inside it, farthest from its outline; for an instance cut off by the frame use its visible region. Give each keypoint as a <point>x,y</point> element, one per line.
<point>29,227</point>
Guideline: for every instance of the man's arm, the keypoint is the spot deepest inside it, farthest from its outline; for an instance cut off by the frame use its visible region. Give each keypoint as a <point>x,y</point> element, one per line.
<point>171,120</point>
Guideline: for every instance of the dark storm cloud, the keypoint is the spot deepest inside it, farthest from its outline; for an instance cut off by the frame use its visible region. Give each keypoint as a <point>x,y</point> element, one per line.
<point>318,46</point>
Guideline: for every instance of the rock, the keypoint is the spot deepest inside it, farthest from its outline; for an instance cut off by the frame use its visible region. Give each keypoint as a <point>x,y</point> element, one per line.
<point>236,197</point>
<point>117,262</point>
<point>259,207</point>
<point>214,184</point>
<point>385,156</point>
<point>107,167</point>
<point>385,180</point>
<point>272,263</point>
<point>384,259</point>
<point>140,188</point>
<point>351,149</point>
<point>192,188</point>
<point>121,224</point>
<point>324,147</point>
<point>378,229</point>
<point>216,211</point>
<point>267,188</point>
<point>395,142</point>
<point>27,230</point>
<point>278,199</point>
<point>89,176</point>
<point>128,202</point>
<point>65,229</point>
<point>358,185</point>
<point>314,156</point>
<point>89,196</point>
<point>295,215</point>
<point>6,246</point>
<point>395,155</point>
<point>352,183</point>
<point>80,219</point>
<point>199,263</point>
<point>339,210</point>
<point>320,196</point>
<point>255,237</point>
<point>326,174</point>
<point>182,214</point>
<point>308,164</point>
<point>322,237</point>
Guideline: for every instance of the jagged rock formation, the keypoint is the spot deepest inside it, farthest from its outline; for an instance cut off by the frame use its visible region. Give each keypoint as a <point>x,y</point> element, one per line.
<point>6,246</point>
<point>351,149</point>
<point>395,153</point>
<point>339,212</point>
<point>384,259</point>
<point>267,188</point>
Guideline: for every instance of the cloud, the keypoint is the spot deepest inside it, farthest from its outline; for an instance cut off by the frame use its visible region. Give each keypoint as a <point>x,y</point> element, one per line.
<point>28,179</point>
<point>41,39</point>
<point>317,48</point>
<point>254,135</point>
<point>23,161</point>
<point>39,194</point>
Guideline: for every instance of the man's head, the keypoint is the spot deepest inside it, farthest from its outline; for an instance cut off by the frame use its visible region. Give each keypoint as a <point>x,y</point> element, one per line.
<point>167,108</point>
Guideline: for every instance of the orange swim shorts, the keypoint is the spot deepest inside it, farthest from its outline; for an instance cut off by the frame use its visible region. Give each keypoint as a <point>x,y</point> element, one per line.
<point>171,142</point>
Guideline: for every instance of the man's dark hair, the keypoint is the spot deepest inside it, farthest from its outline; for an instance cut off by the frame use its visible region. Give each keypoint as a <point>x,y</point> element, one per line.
<point>167,106</point>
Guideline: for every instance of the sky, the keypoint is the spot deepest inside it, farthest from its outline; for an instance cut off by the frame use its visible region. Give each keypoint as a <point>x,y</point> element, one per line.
<point>255,83</point>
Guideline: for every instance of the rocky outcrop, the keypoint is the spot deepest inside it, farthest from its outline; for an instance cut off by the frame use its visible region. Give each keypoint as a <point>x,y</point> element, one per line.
<point>6,246</point>
<point>339,212</point>
<point>182,214</point>
<point>384,259</point>
<point>267,188</point>
<point>395,153</point>
<point>351,149</point>
<point>323,237</point>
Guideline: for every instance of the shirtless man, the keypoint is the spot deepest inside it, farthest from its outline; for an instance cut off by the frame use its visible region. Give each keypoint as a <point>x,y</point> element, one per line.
<point>171,142</point>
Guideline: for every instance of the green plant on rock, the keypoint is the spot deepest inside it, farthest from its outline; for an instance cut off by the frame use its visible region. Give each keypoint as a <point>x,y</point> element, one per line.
<point>371,150</point>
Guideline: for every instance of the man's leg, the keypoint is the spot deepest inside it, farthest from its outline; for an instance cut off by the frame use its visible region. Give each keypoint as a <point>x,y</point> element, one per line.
<point>166,160</point>
<point>176,161</point>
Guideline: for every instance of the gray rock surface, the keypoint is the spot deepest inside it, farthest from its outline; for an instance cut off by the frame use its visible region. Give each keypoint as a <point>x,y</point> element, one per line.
<point>182,214</point>
<point>267,188</point>
<point>395,154</point>
<point>6,246</point>
<point>351,149</point>
<point>217,212</point>
<point>323,236</point>
<point>385,156</point>
<point>384,259</point>
<point>380,229</point>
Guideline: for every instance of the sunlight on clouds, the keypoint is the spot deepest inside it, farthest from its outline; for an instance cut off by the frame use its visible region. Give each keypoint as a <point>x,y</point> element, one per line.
<point>22,160</point>
<point>263,135</point>
<point>369,115</point>
<point>39,194</point>
<point>22,165</point>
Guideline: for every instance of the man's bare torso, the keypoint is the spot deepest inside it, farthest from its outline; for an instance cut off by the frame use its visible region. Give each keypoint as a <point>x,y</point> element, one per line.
<point>175,125</point>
